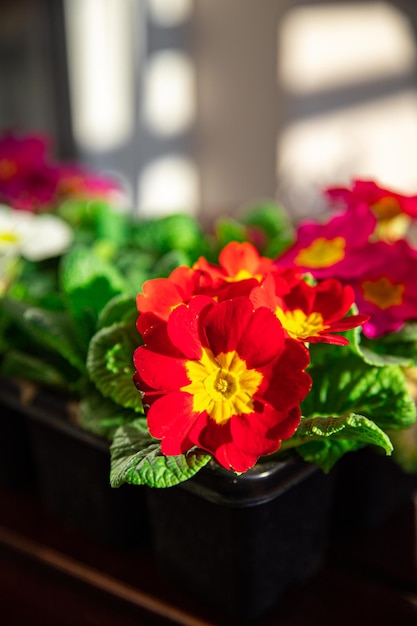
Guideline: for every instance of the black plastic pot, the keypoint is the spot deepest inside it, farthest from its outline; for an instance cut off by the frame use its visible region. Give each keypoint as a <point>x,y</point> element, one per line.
<point>72,468</point>
<point>17,466</point>
<point>240,542</point>
<point>371,488</point>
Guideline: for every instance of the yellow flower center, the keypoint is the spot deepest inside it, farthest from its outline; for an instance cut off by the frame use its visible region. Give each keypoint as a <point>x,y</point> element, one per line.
<point>386,208</point>
<point>243,275</point>
<point>393,228</point>
<point>7,169</point>
<point>322,252</point>
<point>392,222</point>
<point>299,325</point>
<point>8,238</point>
<point>222,385</point>
<point>383,292</point>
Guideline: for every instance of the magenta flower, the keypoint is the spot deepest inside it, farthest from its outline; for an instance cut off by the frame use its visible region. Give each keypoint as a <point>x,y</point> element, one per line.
<point>393,210</point>
<point>31,180</point>
<point>383,202</point>
<point>387,290</point>
<point>331,249</point>
<point>35,191</point>
<point>21,155</point>
<point>27,181</point>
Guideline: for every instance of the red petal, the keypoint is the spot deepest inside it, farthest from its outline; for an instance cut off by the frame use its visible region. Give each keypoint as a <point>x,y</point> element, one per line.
<point>288,384</point>
<point>257,336</point>
<point>217,440</point>
<point>263,340</point>
<point>146,321</point>
<point>237,256</point>
<point>183,326</point>
<point>158,371</point>
<point>226,323</point>
<point>347,323</point>
<point>336,340</point>
<point>171,418</point>
<point>265,294</point>
<point>231,457</point>
<point>286,428</point>
<point>333,300</point>
<point>250,431</point>
<point>228,290</point>
<point>155,336</point>
<point>301,296</point>
<point>158,296</point>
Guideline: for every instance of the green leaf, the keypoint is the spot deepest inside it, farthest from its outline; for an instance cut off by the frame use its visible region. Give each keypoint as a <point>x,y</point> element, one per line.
<point>399,348</point>
<point>228,230</point>
<point>102,416</point>
<point>95,219</point>
<point>351,426</point>
<point>112,225</point>
<point>334,436</point>
<point>135,266</point>
<point>327,452</point>
<point>172,232</point>
<point>88,283</point>
<point>269,216</point>
<point>273,220</point>
<point>110,364</point>
<point>80,268</point>
<point>347,384</point>
<point>80,214</point>
<point>136,458</point>
<point>21,365</point>
<point>373,357</point>
<point>48,329</point>
<point>169,261</point>
<point>37,283</point>
<point>121,308</point>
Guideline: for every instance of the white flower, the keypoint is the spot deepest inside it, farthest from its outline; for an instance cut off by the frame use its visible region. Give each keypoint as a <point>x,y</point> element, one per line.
<point>35,237</point>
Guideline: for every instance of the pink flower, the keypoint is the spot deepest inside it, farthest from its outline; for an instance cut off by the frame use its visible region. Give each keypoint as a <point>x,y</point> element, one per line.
<point>387,290</point>
<point>35,191</point>
<point>31,180</point>
<point>27,181</point>
<point>392,210</point>
<point>383,202</point>
<point>20,155</point>
<point>330,249</point>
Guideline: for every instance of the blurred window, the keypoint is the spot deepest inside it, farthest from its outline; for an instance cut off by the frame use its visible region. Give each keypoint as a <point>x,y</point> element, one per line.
<point>348,70</point>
